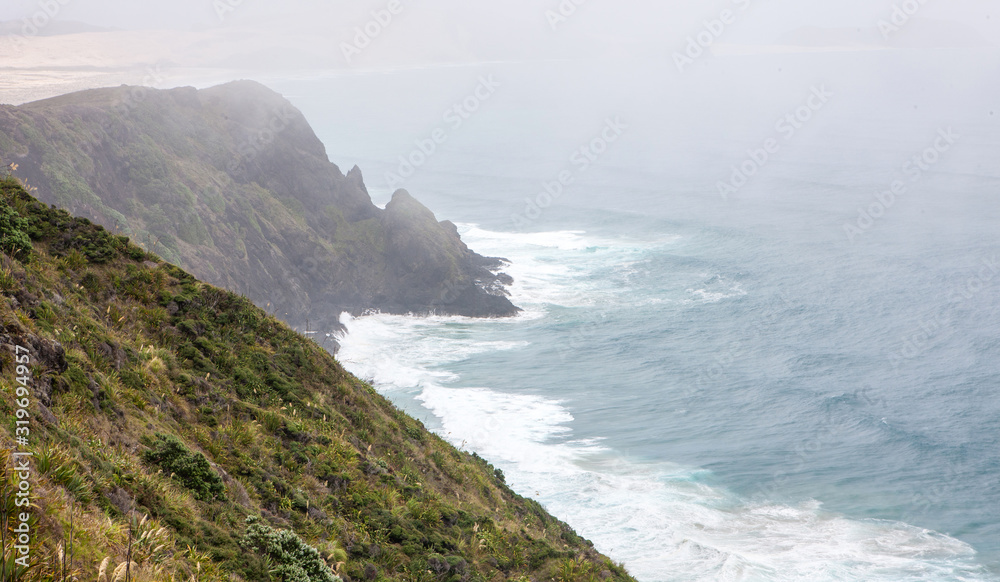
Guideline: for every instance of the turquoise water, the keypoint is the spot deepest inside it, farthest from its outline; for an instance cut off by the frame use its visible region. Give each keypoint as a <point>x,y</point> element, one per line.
<point>709,388</point>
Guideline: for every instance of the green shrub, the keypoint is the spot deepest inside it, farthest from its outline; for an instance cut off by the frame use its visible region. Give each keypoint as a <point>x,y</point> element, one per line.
<point>191,469</point>
<point>293,559</point>
<point>247,382</point>
<point>136,253</point>
<point>271,422</point>
<point>75,259</point>
<point>14,238</point>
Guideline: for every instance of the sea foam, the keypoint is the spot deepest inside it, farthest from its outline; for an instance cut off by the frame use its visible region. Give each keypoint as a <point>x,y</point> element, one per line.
<point>666,522</point>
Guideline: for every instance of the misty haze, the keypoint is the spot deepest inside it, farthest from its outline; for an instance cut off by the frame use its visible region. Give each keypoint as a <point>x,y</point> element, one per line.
<point>539,290</point>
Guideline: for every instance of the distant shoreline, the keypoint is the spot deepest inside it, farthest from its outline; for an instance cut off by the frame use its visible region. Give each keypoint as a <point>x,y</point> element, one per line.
<point>24,85</point>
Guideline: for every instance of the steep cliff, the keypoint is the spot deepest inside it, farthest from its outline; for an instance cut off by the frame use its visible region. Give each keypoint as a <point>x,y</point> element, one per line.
<point>181,430</point>
<point>232,184</point>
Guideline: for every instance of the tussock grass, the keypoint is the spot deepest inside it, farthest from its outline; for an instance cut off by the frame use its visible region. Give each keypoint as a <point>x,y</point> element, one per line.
<point>180,410</point>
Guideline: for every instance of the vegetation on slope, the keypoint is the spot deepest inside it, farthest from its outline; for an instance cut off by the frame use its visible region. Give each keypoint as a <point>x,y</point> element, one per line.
<point>180,432</point>
<point>232,184</point>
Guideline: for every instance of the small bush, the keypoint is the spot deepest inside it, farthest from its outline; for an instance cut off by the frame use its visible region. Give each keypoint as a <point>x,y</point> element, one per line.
<point>271,422</point>
<point>295,561</point>
<point>14,238</point>
<point>8,282</point>
<point>191,469</point>
<point>75,259</point>
<point>136,253</point>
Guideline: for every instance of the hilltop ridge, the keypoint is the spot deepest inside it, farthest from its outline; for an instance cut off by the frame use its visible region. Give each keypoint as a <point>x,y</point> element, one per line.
<point>232,184</point>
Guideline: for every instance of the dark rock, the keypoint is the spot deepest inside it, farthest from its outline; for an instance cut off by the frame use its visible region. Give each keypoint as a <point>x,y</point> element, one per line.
<point>46,416</point>
<point>336,482</point>
<point>25,299</point>
<point>256,206</point>
<point>438,565</point>
<point>97,393</point>
<point>316,513</point>
<point>48,355</point>
<point>113,353</point>
<point>120,499</point>
<point>43,390</point>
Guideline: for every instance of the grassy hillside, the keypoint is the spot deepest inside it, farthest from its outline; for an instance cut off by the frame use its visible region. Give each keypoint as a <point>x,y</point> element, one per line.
<point>232,184</point>
<point>176,424</point>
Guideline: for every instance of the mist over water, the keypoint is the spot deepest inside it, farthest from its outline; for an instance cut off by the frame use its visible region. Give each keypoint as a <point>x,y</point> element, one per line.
<point>710,387</point>
<point>760,278</point>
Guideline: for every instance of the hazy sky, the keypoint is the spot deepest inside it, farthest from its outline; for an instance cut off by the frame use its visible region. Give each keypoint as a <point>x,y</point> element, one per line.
<point>761,21</point>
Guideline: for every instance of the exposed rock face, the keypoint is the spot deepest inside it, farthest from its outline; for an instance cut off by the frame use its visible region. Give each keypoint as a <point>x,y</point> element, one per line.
<point>48,358</point>
<point>233,185</point>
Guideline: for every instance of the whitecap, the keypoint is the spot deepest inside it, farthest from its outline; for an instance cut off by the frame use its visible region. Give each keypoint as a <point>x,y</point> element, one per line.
<point>666,522</point>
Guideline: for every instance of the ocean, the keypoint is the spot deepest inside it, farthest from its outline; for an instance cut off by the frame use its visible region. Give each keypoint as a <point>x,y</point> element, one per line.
<point>761,326</point>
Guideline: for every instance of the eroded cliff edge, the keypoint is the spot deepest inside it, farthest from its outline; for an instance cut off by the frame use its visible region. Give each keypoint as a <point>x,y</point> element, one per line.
<point>232,184</point>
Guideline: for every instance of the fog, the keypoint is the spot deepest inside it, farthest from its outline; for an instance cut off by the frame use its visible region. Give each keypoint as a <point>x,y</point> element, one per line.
<point>857,135</point>
<point>309,33</point>
<point>701,85</point>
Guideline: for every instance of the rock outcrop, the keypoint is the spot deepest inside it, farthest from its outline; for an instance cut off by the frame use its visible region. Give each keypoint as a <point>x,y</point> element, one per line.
<point>232,184</point>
